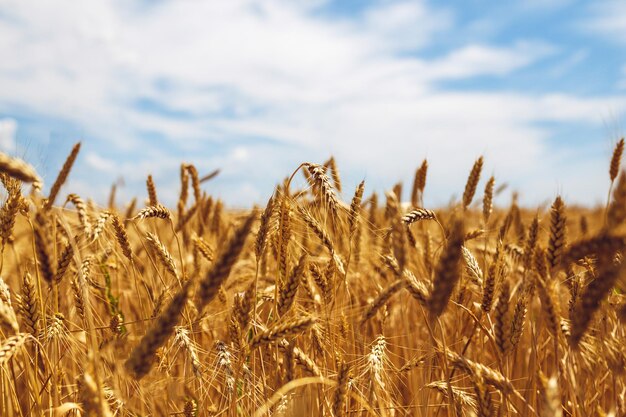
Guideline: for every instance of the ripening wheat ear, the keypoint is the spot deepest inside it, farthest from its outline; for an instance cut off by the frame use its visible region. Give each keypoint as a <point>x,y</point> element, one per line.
<point>557,241</point>
<point>591,298</point>
<point>158,211</point>
<point>317,228</point>
<point>519,316</point>
<point>321,180</point>
<point>302,359</point>
<point>10,346</point>
<point>416,288</point>
<point>182,337</point>
<point>30,306</point>
<point>397,191</point>
<point>342,389</point>
<point>141,358</point>
<point>8,319</point>
<point>289,328</point>
<point>264,228</point>
<point>484,406</point>
<point>616,160</point>
<point>549,305</point>
<point>601,247</point>
<point>334,173</point>
<point>100,224</point>
<point>382,298</point>
<point>210,284</point>
<point>152,195</point>
<point>62,177</point>
<point>616,213</point>
<point>81,211</point>
<point>419,183</point>
<point>284,233</point>
<point>162,254</point>
<point>488,199</point>
<point>503,320</point>
<point>42,248</point>
<point>195,182</point>
<point>122,237</point>
<point>184,186</point>
<point>18,169</point>
<point>209,176</point>
<point>289,287</point>
<point>472,182</point>
<point>417,215</point>
<point>8,213</point>
<point>355,208</point>
<point>488,375</point>
<point>64,262</point>
<point>447,272</point>
<point>489,283</point>
<point>243,305</point>
<point>472,267</point>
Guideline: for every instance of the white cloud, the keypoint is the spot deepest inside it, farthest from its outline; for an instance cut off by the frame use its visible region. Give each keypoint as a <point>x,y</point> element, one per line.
<point>99,163</point>
<point>476,60</point>
<point>8,128</point>
<point>240,154</point>
<point>356,87</point>
<point>395,23</point>
<point>607,18</point>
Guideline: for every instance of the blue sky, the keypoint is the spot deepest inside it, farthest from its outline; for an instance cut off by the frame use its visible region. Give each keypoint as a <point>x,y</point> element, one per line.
<point>256,87</point>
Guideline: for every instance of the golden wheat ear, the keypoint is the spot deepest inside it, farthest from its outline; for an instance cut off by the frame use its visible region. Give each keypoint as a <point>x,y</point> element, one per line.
<point>447,272</point>
<point>62,176</point>
<point>18,169</point>
<point>141,358</point>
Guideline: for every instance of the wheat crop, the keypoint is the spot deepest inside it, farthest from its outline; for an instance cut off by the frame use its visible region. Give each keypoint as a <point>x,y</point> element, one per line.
<point>317,304</point>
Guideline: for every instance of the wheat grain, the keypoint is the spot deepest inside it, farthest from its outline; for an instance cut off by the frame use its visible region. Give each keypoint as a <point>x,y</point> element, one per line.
<point>419,183</point>
<point>382,298</point>
<point>447,272</point>
<point>488,199</point>
<point>320,179</point>
<point>162,254</point>
<point>264,228</point>
<point>502,318</point>
<point>355,208</point>
<point>341,391</point>
<point>418,214</point>
<point>10,346</point>
<point>287,293</point>
<point>591,298</point>
<point>221,268</point>
<point>616,159</point>
<point>141,358</point>
<point>280,331</point>
<point>472,182</point>
<point>62,176</point>
<point>18,169</point>
<point>152,195</point>
<point>158,211</point>
<point>556,244</point>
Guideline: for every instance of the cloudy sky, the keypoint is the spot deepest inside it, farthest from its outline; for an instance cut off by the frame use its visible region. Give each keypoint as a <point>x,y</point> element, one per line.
<point>256,87</point>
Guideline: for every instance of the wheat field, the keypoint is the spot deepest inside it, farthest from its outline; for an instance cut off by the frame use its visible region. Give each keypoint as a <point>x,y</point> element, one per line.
<point>314,305</point>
